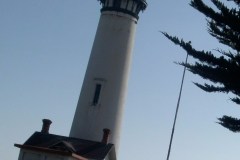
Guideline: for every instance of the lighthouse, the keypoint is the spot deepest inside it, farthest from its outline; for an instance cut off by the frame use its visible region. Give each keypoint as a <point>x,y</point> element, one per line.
<point>103,93</point>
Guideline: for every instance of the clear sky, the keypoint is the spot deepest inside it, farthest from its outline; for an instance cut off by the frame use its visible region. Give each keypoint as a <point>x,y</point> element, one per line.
<point>44,50</point>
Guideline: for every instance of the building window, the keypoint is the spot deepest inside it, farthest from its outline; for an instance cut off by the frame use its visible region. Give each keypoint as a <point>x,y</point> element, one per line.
<point>96,95</point>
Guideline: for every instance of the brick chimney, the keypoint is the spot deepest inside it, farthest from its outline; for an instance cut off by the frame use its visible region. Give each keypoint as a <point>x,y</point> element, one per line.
<point>106,135</point>
<point>46,126</point>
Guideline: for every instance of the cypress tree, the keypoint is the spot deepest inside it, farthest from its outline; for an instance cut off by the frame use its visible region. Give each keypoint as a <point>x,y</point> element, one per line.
<point>222,73</point>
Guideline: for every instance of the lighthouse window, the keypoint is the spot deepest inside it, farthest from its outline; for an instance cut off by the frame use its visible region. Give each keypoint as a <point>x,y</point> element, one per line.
<point>97,92</point>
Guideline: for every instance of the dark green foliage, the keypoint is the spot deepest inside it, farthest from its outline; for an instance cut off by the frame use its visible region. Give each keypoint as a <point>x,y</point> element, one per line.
<point>223,72</point>
<point>233,124</point>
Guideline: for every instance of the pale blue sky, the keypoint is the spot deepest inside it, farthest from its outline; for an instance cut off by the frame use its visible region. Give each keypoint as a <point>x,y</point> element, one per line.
<point>44,50</point>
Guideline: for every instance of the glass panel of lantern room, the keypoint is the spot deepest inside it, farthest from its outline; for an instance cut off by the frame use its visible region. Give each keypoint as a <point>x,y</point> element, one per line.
<point>106,3</point>
<point>110,3</point>
<point>130,4</point>
<point>124,4</point>
<point>117,3</point>
<point>134,7</point>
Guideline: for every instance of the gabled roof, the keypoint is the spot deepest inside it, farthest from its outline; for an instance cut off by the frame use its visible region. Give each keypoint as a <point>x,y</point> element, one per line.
<point>61,144</point>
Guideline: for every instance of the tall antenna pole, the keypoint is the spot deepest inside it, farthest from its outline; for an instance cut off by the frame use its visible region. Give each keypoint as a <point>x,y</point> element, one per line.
<point>176,113</point>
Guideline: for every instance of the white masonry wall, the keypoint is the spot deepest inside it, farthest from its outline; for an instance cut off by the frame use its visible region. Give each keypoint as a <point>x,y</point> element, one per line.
<point>35,155</point>
<point>38,155</point>
<point>108,66</point>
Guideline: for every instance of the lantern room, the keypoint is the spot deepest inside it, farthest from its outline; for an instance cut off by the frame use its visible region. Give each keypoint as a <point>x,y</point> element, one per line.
<point>131,7</point>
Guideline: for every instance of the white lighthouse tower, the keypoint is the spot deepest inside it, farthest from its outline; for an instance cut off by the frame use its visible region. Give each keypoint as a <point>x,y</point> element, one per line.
<point>103,91</point>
